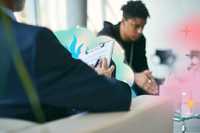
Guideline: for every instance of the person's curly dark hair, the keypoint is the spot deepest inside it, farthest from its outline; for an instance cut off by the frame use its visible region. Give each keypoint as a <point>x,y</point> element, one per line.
<point>135,9</point>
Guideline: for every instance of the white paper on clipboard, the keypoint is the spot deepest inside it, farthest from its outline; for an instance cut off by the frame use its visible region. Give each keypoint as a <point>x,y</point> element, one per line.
<point>102,50</point>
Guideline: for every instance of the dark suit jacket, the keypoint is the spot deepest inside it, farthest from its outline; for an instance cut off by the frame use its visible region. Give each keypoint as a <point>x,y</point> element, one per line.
<point>62,83</point>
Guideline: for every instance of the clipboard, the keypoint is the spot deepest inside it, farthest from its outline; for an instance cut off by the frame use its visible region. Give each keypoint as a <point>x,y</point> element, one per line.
<point>102,50</point>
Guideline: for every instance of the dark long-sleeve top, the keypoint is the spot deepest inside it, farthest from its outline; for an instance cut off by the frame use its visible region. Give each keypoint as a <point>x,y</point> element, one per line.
<point>137,60</point>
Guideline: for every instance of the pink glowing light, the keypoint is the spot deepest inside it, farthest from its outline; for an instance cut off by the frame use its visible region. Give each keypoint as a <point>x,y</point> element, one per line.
<point>186,34</point>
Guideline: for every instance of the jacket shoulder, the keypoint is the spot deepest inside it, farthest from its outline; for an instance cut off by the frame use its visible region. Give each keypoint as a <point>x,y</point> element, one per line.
<point>30,28</point>
<point>108,29</point>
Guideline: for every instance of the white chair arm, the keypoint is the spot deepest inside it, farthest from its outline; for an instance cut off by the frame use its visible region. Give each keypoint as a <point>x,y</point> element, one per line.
<point>14,125</point>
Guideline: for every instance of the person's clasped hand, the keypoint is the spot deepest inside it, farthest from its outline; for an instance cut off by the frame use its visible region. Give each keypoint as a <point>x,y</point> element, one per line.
<point>146,81</point>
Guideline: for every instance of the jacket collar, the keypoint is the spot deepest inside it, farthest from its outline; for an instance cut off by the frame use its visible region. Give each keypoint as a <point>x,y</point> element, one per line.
<point>7,12</point>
